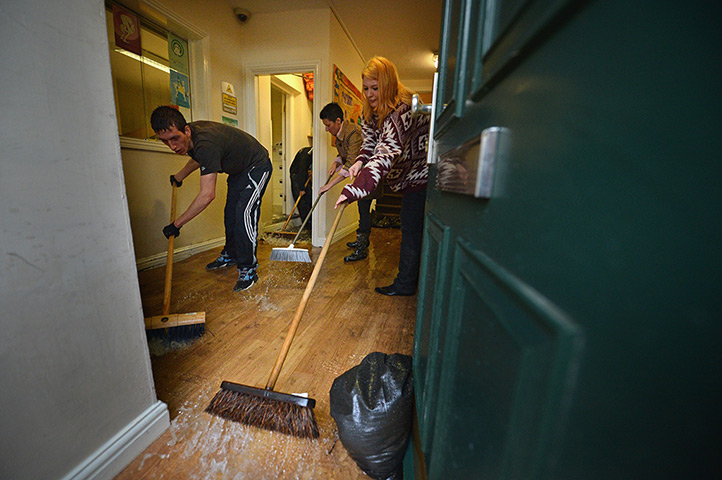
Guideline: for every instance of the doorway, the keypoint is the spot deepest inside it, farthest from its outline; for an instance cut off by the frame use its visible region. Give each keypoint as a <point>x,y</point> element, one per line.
<point>285,124</point>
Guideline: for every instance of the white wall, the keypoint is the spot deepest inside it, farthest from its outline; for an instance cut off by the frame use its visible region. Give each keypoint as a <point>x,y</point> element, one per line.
<point>301,111</point>
<point>75,373</point>
<point>264,134</point>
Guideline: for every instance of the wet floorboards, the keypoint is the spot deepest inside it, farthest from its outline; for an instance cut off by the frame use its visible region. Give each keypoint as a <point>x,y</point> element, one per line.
<point>343,322</point>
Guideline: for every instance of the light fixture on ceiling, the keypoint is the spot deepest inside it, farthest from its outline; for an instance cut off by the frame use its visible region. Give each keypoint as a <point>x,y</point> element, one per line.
<point>435,59</point>
<point>145,60</point>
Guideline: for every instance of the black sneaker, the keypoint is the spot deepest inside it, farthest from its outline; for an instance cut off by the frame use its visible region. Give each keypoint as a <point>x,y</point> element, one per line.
<point>222,261</point>
<point>245,281</point>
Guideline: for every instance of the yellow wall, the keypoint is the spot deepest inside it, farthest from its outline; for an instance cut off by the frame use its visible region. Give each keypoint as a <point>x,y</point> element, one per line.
<point>283,39</point>
<point>149,194</point>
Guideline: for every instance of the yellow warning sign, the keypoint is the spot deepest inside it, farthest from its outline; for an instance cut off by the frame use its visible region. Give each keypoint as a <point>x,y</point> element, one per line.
<point>230,104</point>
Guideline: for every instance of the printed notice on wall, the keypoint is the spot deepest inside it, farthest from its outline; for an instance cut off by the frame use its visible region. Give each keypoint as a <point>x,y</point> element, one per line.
<point>177,54</point>
<point>230,104</point>
<point>230,121</point>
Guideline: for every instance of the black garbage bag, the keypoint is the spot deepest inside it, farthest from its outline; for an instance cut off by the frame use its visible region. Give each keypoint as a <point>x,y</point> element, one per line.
<point>372,404</point>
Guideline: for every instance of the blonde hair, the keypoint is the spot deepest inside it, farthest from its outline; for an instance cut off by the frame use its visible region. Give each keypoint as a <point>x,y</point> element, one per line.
<point>391,90</point>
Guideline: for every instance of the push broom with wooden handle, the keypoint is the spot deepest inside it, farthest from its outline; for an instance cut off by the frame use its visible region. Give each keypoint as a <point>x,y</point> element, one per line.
<point>177,326</point>
<point>283,229</point>
<point>291,253</point>
<point>264,407</point>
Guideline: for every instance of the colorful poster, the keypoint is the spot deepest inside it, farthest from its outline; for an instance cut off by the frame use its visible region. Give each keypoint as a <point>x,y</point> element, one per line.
<point>177,54</point>
<point>308,84</point>
<point>347,96</point>
<point>127,30</point>
<point>180,91</point>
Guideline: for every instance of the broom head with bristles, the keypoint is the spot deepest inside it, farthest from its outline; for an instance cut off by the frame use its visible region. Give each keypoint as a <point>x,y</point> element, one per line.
<point>176,326</point>
<point>290,254</point>
<point>258,407</point>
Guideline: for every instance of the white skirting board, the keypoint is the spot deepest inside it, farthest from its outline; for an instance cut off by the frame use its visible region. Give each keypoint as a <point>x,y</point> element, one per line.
<point>341,233</point>
<point>110,459</point>
<point>178,254</point>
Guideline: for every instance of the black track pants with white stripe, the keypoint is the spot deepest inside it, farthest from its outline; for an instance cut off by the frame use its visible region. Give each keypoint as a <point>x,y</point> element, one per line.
<point>243,209</point>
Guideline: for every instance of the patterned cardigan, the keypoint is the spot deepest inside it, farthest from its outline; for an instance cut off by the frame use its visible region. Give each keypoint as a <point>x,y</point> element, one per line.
<point>396,151</point>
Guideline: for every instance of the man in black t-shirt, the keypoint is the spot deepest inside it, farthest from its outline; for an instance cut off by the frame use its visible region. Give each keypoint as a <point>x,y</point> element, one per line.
<point>217,148</point>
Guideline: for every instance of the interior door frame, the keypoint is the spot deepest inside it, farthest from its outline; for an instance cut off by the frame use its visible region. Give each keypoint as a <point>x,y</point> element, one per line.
<point>250,96</point>
<point>285,116</point>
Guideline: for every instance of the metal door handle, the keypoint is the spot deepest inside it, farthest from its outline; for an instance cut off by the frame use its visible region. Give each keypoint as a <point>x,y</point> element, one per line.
<point>470,168</point>
<point>418,108</point>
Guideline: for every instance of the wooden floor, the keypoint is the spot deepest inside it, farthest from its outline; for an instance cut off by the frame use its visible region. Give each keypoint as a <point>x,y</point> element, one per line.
<point>343,322</point>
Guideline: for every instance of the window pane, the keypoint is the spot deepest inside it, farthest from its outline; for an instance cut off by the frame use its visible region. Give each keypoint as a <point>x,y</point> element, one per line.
<point>156,75</point>
<point>127,86</point>
<point>508,9</point>
<point>140,83</point>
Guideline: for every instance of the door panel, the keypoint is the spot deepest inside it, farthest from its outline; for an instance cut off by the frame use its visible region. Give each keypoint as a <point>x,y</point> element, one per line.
<point>568,324</point>
<point>513,392</point>
<point>431,338</point>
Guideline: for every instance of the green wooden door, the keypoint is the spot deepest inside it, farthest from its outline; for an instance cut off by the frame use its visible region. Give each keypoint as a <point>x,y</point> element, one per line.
<point>569,307</point>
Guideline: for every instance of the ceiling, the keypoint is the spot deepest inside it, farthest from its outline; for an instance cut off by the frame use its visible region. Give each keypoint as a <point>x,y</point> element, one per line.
<point>406,34</point>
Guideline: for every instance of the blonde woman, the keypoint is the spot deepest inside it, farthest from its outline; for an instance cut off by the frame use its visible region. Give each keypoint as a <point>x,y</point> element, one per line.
<point>394,149</point>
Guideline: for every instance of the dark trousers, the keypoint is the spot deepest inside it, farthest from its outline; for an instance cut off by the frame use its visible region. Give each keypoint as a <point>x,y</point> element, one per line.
<point>364,216</point>
<point>241,214</point>
<point>412,232</point>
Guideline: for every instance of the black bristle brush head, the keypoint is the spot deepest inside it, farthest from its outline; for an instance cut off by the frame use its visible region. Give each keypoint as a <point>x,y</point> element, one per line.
<point>257,407</point>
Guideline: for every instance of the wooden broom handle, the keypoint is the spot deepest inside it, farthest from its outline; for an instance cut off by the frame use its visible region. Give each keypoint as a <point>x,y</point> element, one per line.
<point>305,220</point>
<point>169,261</point>
<point>302,306</point>
<point>296,204</point>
